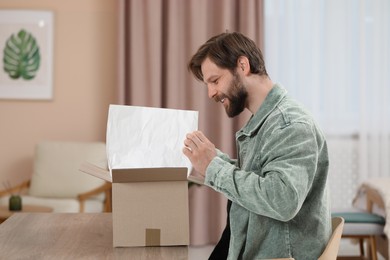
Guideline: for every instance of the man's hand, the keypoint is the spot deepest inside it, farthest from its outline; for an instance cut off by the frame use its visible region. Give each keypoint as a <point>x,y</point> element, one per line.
<point>199,150</point>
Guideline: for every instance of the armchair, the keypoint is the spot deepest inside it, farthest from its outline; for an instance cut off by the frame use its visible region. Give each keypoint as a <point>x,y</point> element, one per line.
<point>56,181</point>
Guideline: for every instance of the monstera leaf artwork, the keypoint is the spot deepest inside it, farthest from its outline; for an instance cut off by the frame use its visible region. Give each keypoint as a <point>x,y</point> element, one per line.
<point>21,56</point>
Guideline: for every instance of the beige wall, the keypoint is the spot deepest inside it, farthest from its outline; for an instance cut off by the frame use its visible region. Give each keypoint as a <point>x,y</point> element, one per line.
<point>84,82</point>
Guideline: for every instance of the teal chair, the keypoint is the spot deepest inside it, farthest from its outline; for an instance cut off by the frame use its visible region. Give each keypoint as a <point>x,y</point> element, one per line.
<point>362,226</point>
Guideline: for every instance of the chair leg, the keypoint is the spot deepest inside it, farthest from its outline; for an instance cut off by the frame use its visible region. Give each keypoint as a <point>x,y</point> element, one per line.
<point>372,242</point>
<point>361,246</point>
<point>81,206</point>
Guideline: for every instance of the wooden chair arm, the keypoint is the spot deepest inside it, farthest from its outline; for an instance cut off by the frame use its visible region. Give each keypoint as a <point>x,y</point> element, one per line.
<point>106,188</point>
<point>373,197</point>
<point>17,189</point>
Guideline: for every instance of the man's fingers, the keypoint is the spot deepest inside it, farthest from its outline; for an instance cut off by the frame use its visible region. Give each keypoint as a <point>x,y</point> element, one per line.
<point>199,150</point>
<point>200,136</point>
<point>189,143</point>
<point>197,138</point>
<point>187,151</point>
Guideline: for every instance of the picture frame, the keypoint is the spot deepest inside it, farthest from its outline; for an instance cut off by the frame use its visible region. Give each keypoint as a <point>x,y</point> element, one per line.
<point>26,51</point>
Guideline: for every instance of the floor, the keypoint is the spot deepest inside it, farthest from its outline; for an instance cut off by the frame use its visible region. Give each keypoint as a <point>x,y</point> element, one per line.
<point>200,252</point>
<point>346,248</point>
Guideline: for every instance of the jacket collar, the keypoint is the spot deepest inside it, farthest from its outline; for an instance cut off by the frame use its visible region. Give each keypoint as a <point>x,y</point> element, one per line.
<point>276,94</point>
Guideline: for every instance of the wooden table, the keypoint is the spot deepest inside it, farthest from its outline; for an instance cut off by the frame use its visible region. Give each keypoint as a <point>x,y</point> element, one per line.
<point>71,236</point>
<point>6,213</point>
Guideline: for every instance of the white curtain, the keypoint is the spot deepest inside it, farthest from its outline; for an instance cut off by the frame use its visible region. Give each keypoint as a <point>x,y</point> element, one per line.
<point>334,57</point>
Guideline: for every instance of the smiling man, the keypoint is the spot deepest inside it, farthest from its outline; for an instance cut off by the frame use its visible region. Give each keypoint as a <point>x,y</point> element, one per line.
<point>277,188</point>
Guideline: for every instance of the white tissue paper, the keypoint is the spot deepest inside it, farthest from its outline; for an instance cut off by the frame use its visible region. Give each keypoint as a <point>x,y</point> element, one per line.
<point>147,137</point>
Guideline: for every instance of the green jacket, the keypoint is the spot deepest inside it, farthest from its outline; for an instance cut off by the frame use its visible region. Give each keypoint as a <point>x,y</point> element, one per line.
<point>278,185</point>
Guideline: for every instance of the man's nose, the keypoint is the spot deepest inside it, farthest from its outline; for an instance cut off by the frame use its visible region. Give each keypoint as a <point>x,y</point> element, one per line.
<point>211,91</point>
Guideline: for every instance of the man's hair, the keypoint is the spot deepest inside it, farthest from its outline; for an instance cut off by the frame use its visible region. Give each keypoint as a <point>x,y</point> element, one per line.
<point>224,50</point>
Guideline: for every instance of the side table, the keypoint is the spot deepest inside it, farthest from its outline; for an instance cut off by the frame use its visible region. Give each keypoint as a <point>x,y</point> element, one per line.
<point>6,213</point>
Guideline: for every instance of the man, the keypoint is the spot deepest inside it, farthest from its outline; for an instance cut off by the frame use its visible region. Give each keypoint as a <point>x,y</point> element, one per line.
<point>277,186</point>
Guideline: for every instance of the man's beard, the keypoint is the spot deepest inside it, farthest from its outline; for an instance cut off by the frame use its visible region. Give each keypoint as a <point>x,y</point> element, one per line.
<point>237,95</point>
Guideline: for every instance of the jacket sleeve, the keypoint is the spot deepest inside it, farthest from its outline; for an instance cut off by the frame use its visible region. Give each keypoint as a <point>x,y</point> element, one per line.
<point>287,163</point>
<point>226,157</point>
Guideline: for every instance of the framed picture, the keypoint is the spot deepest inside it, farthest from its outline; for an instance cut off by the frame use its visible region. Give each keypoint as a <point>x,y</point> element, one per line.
<point>26,50</point>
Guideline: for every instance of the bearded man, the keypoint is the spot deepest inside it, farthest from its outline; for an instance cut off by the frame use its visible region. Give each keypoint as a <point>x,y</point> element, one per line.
<point>277,187</point>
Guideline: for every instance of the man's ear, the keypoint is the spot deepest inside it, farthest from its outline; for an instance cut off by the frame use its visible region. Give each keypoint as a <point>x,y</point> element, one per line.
<point>243,65</point>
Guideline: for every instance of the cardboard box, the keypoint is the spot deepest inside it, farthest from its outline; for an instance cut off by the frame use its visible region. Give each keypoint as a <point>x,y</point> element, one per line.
<point>149,205</point>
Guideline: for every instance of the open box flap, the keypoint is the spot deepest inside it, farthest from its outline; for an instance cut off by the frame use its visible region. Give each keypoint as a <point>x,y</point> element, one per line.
<point>96,170</point>
<point>135,175</point>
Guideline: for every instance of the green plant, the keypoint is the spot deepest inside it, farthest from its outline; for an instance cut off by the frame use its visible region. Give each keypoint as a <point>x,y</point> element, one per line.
<point>21,56</point>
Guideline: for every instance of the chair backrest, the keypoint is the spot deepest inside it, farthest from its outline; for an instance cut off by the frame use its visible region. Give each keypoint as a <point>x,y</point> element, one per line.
<point>332,248</point>
<point>56,168</point>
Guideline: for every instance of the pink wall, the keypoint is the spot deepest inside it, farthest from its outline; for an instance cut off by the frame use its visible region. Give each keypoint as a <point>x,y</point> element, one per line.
<point>84,83</point>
